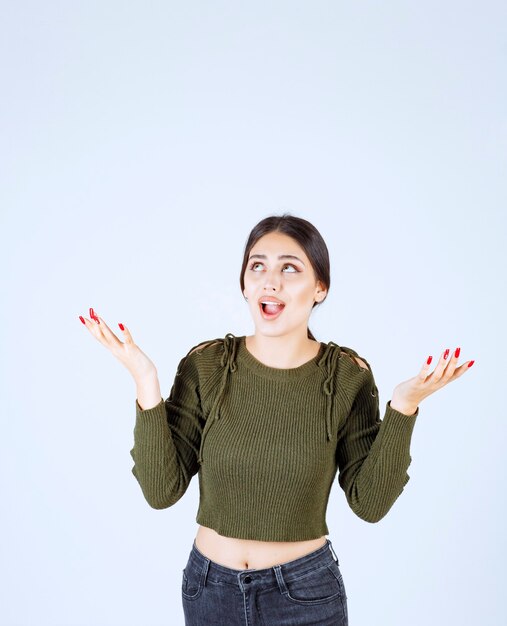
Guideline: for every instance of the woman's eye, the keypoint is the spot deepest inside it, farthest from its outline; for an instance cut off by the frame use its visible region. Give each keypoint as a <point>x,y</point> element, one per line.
<point>252,267</point>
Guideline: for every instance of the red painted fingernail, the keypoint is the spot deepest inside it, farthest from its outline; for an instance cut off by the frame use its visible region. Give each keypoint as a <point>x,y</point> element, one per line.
<point>471,363</point>
<point>446,353</point>
<point>82,320</point>
<point>429,360</point>
<point>456,354</point>
<point>121,326</point>
<point>93,316</point>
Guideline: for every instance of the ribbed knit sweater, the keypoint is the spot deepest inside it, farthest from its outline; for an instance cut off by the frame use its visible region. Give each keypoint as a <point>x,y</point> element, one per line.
<point>267,442</point>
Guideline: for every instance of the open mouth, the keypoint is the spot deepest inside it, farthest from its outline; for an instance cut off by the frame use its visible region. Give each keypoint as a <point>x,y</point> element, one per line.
<point>271,311</point>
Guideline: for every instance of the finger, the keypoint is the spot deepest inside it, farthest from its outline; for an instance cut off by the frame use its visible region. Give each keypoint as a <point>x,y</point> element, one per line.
<point>423,373</point>
<point>98,332</point>
<point>94,317</point>
<point>459,371</point>
<point>107,333</point>
<point>102,332</point>
<point>450,366</point>
<point>93,327</point>
<point>441,365</point>
<point>87,322</point>
<point>126,333</point>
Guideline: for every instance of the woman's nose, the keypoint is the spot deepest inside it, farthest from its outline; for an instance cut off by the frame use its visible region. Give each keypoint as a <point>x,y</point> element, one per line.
<point>271,282</point>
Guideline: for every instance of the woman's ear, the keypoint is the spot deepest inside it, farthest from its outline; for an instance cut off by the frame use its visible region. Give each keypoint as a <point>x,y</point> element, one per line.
<point>320,293</point>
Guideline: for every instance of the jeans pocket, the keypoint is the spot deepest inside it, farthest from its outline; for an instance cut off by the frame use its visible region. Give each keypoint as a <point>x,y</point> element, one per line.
<point>318,586</point>
<point>191,583</point>
<point>335,569</point>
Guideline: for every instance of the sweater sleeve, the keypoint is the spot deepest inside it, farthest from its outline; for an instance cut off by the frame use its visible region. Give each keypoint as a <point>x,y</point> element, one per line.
<point>167,438</point>
<point>373,455</point>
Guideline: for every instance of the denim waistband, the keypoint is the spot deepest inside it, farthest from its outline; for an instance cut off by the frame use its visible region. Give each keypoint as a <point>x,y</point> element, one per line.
<point>290,570</point>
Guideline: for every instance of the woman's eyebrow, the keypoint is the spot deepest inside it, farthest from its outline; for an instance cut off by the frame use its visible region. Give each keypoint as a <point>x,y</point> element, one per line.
<point>281,256</point>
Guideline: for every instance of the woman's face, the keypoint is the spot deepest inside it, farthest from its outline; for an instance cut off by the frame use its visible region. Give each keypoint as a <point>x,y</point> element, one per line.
<point>289,280</point>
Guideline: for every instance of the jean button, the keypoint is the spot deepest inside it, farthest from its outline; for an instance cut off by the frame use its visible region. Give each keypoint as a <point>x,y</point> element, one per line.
<point>247,579</point>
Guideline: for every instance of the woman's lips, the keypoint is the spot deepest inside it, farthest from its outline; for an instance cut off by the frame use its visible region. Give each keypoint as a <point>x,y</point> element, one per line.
<point>272,316</point>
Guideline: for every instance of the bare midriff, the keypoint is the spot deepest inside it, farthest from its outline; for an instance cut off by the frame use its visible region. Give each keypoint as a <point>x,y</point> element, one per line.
<point>250,554</point>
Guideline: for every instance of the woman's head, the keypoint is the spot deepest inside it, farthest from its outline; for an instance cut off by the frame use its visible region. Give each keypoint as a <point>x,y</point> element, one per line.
<point>300,283</point>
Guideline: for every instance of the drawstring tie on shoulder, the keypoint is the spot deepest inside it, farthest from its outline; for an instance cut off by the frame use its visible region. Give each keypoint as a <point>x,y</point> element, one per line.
<point>228,362</point>
<point>329,361</point>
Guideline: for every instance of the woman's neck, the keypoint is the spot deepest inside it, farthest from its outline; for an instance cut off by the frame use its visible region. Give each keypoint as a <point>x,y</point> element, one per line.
<point>282,352</point>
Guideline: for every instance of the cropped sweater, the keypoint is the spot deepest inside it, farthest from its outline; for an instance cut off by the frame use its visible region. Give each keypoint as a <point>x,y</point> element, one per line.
<point>267,442</point>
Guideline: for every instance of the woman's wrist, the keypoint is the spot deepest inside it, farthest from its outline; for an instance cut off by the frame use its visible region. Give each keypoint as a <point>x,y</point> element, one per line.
<point>148,392</point>
<point>402,407</point>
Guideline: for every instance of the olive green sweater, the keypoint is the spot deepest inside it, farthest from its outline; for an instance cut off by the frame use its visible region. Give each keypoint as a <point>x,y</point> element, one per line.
<point>267,443</point>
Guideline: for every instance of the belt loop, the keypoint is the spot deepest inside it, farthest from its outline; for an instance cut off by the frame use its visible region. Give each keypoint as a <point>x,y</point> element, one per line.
<point>205,570</point>
<point>279,577</point>
<point>333,552</point>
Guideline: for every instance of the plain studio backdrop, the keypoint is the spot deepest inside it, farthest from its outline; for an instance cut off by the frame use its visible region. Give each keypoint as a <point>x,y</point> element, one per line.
<point>140,143</point>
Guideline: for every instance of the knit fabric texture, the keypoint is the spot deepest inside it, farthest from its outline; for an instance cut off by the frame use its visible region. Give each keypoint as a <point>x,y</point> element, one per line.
<point>267,443</point>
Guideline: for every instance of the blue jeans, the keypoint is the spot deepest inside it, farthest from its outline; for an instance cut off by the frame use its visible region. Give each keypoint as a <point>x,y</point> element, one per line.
<point>305,591</point>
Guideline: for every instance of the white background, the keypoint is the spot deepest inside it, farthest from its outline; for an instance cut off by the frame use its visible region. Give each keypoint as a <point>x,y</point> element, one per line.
<point>140,143</point>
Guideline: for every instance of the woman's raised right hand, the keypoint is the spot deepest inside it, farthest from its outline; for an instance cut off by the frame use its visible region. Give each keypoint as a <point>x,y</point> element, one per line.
<point>128,353</point>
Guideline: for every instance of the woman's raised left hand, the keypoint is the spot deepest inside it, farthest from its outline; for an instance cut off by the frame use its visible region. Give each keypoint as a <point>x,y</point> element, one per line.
<point>409,394</point>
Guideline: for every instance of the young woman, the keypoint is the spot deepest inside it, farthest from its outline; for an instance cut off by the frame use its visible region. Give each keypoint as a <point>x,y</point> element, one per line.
<point>266,421</point>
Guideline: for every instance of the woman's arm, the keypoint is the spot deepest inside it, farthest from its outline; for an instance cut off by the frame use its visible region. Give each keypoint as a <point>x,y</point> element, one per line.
<point>373,454</point>
<point>167,436</point>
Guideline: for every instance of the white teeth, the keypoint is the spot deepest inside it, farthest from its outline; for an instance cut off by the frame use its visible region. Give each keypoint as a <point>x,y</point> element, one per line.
<point>277,303</point>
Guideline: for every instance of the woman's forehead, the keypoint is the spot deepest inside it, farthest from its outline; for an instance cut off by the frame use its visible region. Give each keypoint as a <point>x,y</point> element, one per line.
<point>278,244</point>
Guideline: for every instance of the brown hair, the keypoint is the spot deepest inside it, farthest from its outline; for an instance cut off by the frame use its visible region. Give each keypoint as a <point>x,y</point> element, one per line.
<point>306,235</point>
